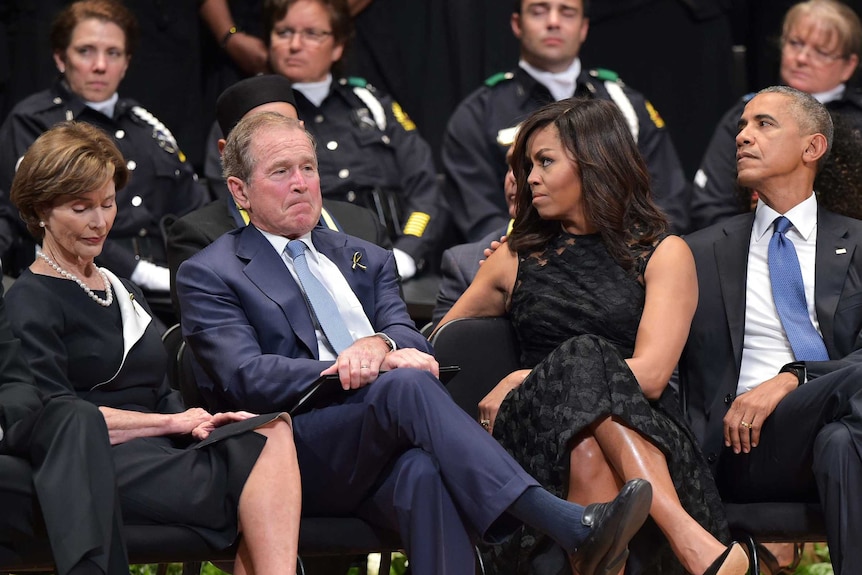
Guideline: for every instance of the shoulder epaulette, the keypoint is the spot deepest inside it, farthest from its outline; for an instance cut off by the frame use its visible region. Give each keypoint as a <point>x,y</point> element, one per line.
<point>357,82</point>
<point>605,75</point>
<point>497,78</point>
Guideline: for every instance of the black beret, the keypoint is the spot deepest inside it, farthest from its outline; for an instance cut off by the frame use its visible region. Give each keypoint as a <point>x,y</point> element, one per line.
<point>245,95</point>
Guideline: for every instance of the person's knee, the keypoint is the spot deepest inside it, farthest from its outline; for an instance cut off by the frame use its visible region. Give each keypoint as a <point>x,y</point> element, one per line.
<point>407,384</point>
<point>279,437</point>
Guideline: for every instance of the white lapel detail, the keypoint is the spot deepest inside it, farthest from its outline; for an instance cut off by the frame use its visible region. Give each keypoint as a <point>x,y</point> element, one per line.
<point>135,319</point>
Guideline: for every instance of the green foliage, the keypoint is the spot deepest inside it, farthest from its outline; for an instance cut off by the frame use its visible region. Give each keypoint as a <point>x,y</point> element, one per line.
<point>815,562</point>
<point>173,569</point>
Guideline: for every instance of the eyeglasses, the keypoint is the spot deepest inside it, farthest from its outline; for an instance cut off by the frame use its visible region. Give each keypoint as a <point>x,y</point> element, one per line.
<point>307,35</point>
<point>818,56</point>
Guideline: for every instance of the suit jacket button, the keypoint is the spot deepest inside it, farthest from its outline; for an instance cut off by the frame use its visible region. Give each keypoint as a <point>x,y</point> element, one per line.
<point>711,458</point>
<point>728,399</point>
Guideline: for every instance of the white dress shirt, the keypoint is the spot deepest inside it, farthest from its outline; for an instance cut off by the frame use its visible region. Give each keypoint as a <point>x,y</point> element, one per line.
<point>333,280</point>
<point>765,346</point>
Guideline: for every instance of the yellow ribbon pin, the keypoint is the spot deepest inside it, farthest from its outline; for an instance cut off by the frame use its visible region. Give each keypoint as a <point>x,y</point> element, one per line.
<point>356,257</point>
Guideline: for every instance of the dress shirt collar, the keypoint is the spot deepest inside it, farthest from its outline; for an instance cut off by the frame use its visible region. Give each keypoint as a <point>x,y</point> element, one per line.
<point>835,93</point>
<point>106,107</point>
<point>280,242</point>
<point>803,216</point>
<point>561,85</point>
<point>315,92</point>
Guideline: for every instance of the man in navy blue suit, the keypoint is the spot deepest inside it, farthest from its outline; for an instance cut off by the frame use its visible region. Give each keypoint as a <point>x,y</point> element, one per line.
<point>394,449</point>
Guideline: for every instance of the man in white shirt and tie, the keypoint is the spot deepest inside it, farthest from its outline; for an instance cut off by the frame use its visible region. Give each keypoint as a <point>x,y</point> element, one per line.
<point>772,370</point>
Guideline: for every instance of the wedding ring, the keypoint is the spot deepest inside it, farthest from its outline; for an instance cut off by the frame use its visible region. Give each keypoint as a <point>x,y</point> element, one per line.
<point>745,425</point>
<point>364,366</point>
<point>486,423</point>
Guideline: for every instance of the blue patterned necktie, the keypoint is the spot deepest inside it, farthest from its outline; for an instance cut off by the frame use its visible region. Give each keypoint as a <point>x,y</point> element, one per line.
<point>319,300</point>
<point>788,292</point>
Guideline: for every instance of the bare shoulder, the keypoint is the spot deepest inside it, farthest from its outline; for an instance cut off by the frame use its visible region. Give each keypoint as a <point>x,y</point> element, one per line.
<point>671,254</point>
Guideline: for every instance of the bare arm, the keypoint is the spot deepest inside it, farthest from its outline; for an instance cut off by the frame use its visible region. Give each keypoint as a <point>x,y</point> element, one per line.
<point>247,52</point>
<point>491,290</point>
<point>671,299</point>
<point>124,425</point>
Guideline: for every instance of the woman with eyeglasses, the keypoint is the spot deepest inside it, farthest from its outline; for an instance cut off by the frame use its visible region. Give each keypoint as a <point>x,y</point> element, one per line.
<point>821,43</point>
<point>369,150</point>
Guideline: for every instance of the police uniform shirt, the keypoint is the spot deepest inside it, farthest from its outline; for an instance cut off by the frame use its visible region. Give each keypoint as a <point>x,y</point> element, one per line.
<point>483,126</point>
<point>365,141</point>
<point>161,181</point>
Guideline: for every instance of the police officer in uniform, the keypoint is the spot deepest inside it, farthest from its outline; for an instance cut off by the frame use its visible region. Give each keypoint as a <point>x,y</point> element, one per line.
<point>485,123</point>
<point>92,42</point>
<point>368,149</point>
<point>820,50</point>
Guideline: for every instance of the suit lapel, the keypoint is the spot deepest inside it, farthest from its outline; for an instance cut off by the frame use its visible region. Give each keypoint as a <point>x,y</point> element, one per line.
<point>267,271</point>
<point>352,260</point>
<point>834,252</point>
<point>731,259</point>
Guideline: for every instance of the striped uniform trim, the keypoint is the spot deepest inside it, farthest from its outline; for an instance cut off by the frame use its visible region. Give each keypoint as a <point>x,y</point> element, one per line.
<point>416,224</point>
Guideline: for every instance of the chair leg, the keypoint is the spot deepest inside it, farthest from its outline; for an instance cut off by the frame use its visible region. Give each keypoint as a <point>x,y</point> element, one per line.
<point>190,568</point>
<point>385,563</point>
<point>162,569</point>
<point>480,563</point>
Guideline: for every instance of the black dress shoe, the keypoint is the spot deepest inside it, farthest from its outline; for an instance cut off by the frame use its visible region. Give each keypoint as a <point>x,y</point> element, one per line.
<point>613,525</point>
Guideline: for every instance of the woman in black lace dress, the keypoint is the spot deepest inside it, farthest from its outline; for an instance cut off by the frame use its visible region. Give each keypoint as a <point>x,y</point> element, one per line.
<point>601,299</point>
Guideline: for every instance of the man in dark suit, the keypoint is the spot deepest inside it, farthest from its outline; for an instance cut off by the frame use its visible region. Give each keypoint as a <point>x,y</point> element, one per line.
<point>395,448</point>
<point>780,414</point>
<point>44,466</point>
<point>198,229</point>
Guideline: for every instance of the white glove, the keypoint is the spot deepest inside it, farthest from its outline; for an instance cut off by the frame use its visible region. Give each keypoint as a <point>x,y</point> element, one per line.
<point>406,265</point>
<point>152,277</point>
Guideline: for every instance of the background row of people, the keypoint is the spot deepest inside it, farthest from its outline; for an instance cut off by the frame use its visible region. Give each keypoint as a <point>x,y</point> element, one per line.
<point>355,122</point>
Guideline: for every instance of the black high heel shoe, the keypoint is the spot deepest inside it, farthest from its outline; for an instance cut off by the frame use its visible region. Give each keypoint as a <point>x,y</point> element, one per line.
<point>734,561</point>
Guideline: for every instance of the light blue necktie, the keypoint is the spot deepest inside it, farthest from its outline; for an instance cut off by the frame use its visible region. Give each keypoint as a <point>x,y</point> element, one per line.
<point>318,298</point>
<point>788,292</point>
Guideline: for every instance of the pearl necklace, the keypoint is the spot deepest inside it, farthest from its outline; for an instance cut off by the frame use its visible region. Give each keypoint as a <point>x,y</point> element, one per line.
<point>102,302</point>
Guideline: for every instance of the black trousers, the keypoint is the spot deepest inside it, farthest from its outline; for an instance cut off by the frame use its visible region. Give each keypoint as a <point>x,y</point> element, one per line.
<point>810,448</point>
<point>58,461</point>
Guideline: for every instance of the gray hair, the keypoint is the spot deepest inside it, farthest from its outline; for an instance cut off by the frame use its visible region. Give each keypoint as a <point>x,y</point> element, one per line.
<point>811,116</point>
<point>238,160</point>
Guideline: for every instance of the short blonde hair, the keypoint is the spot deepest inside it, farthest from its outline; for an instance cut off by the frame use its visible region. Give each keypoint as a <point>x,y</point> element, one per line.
<point>70,159</point>
<point>837,18</point>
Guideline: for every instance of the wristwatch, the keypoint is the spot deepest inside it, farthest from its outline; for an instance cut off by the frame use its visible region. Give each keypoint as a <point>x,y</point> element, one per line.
<point>389,341</point>
<point>797,368</point>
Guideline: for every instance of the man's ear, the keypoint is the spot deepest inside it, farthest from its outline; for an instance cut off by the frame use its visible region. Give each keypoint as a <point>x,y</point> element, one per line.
<point>516,25</point>
<point>221,144</point>
<point>815,149</point>
<point>238,191</point>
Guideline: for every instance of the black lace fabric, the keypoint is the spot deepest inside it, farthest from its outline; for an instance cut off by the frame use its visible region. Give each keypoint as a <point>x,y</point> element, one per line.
<point>576,313</point>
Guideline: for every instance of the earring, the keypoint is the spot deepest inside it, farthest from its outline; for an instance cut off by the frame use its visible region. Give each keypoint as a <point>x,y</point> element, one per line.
<point>41,223</point>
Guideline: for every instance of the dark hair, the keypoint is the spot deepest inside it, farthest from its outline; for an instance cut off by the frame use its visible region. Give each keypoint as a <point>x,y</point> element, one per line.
<point>615,183</point>
<point>70,159</point>
<point>585,4</point>
<point>104,10</point>
<point>339,18</point>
